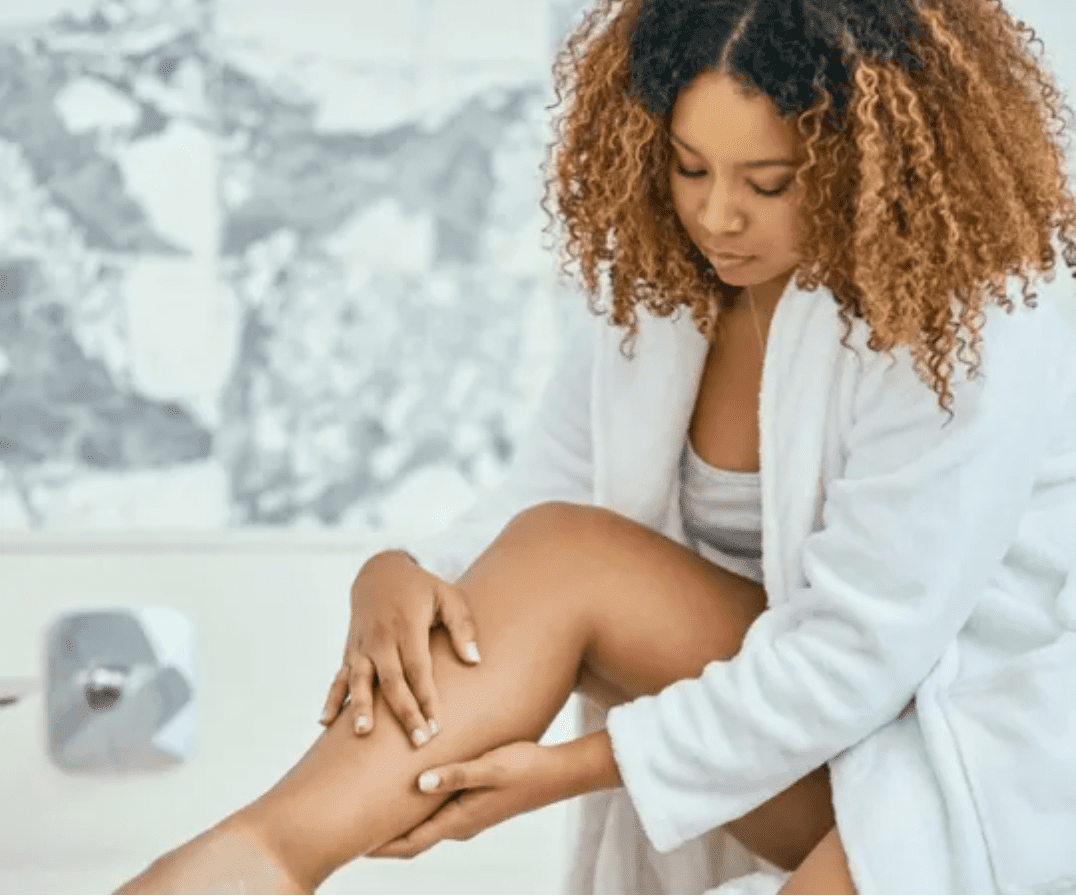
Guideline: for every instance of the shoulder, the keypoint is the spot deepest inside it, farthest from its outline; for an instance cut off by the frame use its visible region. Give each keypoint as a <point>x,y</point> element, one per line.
<point>1025,355</point>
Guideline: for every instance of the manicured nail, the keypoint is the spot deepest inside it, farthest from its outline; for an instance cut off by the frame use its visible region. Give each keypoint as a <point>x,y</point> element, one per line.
<point>419,737</point>
<point>432,725</point>
<point>325,716</point>
<point>428,781</point>
<point>471,649</point>
<point>362,724</point>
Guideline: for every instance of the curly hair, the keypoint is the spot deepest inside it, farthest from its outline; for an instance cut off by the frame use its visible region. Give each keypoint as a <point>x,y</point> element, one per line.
<point>934,162</point>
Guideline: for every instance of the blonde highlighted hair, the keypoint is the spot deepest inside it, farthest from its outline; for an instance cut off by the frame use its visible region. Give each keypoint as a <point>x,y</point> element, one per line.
<point>934,163</point>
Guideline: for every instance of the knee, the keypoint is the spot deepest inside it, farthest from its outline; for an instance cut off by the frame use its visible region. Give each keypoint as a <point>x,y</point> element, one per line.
<point>559,520</point>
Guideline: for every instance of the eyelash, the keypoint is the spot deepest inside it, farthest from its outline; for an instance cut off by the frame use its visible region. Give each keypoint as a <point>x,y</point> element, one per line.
<point>695,174</point>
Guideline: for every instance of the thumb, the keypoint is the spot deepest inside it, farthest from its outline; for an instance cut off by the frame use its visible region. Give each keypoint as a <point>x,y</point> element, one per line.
<point>456,776</point>
<point>456,615</point>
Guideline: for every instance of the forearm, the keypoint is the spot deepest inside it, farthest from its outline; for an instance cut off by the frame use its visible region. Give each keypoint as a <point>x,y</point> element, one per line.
<point>589,764</point>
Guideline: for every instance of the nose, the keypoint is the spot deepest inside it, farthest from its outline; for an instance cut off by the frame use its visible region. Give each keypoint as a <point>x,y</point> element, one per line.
<point>719,214</point>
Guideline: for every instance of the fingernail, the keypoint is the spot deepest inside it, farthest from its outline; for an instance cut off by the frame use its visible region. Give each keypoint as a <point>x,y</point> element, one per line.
<point>471,649</point>
<point>325,716</point>
<point>362,724</point>
<point>432,725</point>
<point>419,737</point>
<point>428,781</point>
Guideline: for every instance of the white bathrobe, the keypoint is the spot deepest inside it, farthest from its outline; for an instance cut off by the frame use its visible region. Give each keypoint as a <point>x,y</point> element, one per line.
<point>903,555</point>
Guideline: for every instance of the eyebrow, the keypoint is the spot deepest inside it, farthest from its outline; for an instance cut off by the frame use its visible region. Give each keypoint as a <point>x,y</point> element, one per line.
<point>761,163</point>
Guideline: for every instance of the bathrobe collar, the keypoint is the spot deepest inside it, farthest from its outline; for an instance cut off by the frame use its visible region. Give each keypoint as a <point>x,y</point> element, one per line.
<point>652,398</point>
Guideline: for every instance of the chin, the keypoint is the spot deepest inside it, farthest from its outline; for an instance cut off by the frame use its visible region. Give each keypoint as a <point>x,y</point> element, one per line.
<point>739,279</point>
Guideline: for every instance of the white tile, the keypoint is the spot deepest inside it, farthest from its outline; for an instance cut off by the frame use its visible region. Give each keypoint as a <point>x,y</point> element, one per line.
<point>361,100</point>
<point>184,496</point>
<point>183,328</point>
<point>481,31</point>
<point>366,31</point>
<point>443,91</point>
<point>17,14</point>
<point>173,177</point>
<point>87,104</point>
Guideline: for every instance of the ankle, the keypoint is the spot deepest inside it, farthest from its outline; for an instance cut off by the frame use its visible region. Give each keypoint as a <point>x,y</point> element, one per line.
<point>264,866</point>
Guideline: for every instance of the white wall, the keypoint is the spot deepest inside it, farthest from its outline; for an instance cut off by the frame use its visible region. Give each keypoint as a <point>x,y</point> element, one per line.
<point>270,616</point>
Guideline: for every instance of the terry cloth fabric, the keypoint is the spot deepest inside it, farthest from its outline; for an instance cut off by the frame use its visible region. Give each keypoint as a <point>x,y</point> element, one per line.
<point>903,555</point>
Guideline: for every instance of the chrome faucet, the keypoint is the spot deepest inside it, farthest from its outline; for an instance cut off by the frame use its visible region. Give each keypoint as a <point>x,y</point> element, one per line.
<point>109,696</point>
<point>104,685</point>
<point>114,685</point>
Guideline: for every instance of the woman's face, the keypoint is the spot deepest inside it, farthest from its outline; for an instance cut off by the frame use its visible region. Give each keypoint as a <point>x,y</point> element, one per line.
<point>731,176</point>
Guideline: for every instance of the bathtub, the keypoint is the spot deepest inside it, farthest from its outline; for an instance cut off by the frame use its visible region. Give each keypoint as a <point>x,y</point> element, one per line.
<point>270,613</point>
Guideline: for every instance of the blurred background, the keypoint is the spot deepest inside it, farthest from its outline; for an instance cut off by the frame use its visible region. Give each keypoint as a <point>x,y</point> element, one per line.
<point>273,291</point>
<point>269,263</point>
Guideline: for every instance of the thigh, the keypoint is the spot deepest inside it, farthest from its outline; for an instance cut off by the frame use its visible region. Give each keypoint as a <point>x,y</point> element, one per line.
<point>655,612</point>
<point>652,610</point>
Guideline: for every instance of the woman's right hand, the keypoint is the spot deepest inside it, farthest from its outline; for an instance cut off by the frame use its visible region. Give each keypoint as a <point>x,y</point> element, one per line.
<point>394,604</point>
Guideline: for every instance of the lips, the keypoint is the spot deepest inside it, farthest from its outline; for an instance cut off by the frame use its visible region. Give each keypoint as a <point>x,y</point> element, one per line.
<point>726,256</point>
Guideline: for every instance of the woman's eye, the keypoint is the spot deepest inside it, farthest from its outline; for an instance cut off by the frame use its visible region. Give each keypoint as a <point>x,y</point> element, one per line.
<point>776,192</point>
<point>684,172</point>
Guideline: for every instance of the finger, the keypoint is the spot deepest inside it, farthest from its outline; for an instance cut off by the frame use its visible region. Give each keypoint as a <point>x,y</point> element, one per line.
<point>455,613</point>
<point>451,822</point>
<point>400,848</point>
<point>361,682</point>
<point>403,846</point>
<point>456,776</point>
<point>409,845</point>
<point>335,700</point>
<point>398,695</point>
<point>418,670</point>
<point>395,849</point>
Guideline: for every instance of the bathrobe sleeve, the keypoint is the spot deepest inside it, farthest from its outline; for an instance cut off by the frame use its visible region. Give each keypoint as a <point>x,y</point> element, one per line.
<point>911,533</point>
<point>553,461</point>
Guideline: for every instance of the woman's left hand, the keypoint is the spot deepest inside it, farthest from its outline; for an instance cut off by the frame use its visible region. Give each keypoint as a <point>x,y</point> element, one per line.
<point>498,785</point>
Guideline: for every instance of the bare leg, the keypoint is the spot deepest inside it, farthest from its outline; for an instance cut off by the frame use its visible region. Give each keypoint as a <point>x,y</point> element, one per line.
<point>563,590</point>
<point>824,871</point>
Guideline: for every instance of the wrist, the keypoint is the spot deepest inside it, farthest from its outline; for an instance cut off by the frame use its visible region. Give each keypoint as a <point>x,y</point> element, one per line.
<point>589,764</point>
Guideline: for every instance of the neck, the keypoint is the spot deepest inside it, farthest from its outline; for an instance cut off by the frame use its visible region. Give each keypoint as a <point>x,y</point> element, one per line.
<point>766,296</point>
<point>750,296</point>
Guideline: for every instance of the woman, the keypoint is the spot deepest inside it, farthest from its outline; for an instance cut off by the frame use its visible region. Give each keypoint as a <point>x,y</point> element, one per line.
<point>900,653</point>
